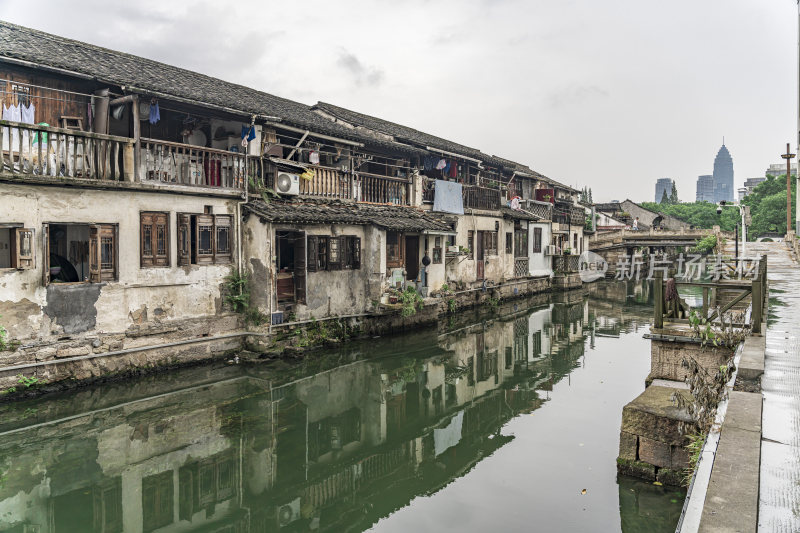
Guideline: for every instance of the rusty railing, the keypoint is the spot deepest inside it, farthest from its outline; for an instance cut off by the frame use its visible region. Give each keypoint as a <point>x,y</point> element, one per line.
<point>184,164</point>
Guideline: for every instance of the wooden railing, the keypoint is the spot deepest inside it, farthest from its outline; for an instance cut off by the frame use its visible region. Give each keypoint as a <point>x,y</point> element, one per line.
<point>372,188</point>
<point>56,152</point>
<point>183,164</point>
<point>720,296</point>
<point>327,182</point>
<point>481,198</point>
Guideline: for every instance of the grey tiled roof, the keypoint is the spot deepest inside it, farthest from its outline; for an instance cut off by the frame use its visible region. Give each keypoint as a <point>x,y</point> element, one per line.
<point>518,214</point>
<point>301,211</point>
<point>140,74</point>
<point>406,134</point>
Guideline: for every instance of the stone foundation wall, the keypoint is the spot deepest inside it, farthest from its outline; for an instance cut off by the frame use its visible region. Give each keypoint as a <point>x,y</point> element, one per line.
<point>652,442</point>
<point>666,358</point>
<point>146,339</point>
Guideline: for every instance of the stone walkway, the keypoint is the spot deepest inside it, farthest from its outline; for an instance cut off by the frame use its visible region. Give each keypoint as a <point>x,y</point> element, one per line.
<point>779,494</point>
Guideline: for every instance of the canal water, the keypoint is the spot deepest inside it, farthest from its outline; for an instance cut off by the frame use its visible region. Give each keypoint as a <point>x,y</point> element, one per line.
<point>502,419</point>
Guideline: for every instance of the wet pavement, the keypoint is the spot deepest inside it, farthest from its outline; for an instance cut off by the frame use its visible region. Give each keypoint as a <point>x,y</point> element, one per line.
<point>779,494</point>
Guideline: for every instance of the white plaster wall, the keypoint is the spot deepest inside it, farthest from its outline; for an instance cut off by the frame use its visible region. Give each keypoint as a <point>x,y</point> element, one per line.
<point>539,263</point>
<point>180,291</point>
<point>463,268</point>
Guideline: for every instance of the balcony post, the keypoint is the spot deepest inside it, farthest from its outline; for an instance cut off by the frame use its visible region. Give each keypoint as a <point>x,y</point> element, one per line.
<point>128,165</point>
<point>137,149</point>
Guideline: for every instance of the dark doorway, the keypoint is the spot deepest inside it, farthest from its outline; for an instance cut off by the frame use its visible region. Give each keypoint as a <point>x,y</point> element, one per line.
<point>291,266</point>
<point>479,256</point>
<point>412,257</point>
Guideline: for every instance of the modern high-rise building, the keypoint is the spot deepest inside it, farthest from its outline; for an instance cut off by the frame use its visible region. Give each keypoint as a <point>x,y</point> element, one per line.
<point>779,169</point>
<point>705,188</point>
<point>663,185</point>
<point>723,176</point>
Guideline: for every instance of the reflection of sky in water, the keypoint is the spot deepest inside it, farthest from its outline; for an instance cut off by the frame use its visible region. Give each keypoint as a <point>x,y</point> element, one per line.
<point>489,422</point>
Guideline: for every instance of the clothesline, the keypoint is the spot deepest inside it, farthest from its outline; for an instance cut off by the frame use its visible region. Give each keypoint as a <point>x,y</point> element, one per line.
<point>24,84</point>
<point>44,97</point>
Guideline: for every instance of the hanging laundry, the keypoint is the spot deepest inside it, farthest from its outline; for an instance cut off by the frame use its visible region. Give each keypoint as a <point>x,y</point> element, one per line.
<point>90,114</point>
<point>12,113</point>
<point>453,172</point>
<point>441,164</point>
<point>313,157</point>
<point>155,114</point>
<point>27,116</point>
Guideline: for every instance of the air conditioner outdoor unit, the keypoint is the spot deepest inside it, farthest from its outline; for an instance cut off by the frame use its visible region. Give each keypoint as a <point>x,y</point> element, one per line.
<point>550,250</point>
<point>287,184</point>
<point>289,512</point>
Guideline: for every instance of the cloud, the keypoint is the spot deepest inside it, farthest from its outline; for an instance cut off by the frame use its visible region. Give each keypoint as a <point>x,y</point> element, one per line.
<point>360,73</point>
<point>576,94</point>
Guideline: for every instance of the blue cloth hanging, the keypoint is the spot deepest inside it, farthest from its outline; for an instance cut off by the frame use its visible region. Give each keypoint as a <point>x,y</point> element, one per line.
<point>155,114</point>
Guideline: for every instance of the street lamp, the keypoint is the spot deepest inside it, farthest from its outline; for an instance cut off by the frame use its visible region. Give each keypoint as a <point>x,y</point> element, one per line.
<point>744,212</point>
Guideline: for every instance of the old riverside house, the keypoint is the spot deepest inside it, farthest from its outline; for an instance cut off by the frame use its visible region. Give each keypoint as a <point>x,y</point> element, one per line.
<point>134,194</point>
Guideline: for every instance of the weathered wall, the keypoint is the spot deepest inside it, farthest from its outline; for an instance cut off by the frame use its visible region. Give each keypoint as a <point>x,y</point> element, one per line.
<point>666,358</point>
<point>463,268</point>
<point>33,312</point>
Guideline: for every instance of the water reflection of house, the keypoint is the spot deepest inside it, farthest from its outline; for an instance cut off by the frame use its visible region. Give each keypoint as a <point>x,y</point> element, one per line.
<point>334,450</point>
<point>141,466</point>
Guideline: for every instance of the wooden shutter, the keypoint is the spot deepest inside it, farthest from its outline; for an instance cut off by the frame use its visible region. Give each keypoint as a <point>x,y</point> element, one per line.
<point>204,239</point>
<point>356,246</point>
<point>94,254</point>
<point>184,239</point>
<point>223,239</point>
<point>22,248</point>
<point>161,239</point>
<point>102,253</point>
<point>470,247</point>
<point>312,253</point>
<point>45,254</point>
<point>300,268</point>
<point>146,240</point>
<point>335,250</point>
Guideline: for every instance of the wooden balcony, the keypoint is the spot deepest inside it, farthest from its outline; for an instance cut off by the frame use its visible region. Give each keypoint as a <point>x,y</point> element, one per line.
<point>184,164</point>
<point>481,198</point>
<point>48,152</point>
<point>372,188</point>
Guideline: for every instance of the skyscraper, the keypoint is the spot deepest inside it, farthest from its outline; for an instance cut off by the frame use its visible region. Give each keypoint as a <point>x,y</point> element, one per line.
<point>723,175</point>
<point>663,185</point>
<point>705,188</point>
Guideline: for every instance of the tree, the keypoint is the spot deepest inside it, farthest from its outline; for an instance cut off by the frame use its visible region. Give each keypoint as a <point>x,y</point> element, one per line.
<point>590,196</point>
<point>699,214</point>
<point>673,197</point>
<point>768,206</point>
<point>664,198</point>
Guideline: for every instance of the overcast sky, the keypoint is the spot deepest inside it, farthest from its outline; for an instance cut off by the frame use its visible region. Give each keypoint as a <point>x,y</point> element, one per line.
<point>611,94</point>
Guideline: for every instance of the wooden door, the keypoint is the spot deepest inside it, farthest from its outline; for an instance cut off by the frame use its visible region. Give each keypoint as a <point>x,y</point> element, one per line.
<point>300,267</point>
<point>479,255</point>
<point>412,257</point>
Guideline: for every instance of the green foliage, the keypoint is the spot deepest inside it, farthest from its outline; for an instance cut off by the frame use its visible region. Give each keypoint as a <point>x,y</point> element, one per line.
<point>664,198</point>
<point>673,195</point>
<point>410,300</point>
<point>695,448</point>
<point>4,343</point>
<point>492,303</point>
<point>451,305</point>
<point>701,215</point>
<point>29,382</point>
<point>237,291</point>
<point>705,245</point>
<point>768,206</point>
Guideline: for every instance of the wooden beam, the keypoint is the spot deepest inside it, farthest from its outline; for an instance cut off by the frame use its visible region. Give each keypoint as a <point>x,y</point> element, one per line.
<point>296,146</point>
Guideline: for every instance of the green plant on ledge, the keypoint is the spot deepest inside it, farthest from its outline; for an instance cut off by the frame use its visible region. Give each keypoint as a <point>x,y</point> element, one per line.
<point>410,300</point>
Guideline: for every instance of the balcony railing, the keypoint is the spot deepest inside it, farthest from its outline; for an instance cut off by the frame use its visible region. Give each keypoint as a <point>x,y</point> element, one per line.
<point>481,198</point>
<point>183,164</point>
<point>56,152</point>
<point>372,188</point>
